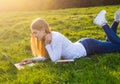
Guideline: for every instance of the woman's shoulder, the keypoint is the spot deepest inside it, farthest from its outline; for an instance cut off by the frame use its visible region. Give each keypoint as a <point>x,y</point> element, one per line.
<point>57,34</point>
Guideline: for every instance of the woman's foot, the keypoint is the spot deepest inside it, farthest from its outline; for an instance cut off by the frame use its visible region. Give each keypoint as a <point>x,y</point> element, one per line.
<point>117,16</point>
<point>100,18</point>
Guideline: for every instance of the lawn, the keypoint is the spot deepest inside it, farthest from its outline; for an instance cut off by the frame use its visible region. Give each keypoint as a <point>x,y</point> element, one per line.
<point>74,23</point>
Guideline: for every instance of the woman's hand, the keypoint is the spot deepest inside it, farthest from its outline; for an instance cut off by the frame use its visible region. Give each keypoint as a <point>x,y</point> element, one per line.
<point>48,38</point>
<point>26,61</point>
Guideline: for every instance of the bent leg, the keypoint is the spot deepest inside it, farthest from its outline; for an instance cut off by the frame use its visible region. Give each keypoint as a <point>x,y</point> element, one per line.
<point>94,46</point>
<point>114,28</point>
<point>111,34</point>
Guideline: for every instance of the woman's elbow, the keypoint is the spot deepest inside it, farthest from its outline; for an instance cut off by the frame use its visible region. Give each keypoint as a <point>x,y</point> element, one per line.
<point>54,60</point>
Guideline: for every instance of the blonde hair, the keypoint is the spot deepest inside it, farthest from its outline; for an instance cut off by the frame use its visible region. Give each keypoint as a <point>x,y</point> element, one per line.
<point>37,46</point>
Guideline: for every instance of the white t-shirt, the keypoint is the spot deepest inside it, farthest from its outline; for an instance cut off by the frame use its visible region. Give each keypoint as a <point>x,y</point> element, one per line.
<point>62,47</point>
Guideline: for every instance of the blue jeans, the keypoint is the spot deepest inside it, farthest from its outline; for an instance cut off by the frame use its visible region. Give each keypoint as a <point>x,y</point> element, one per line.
<point>94,46</point>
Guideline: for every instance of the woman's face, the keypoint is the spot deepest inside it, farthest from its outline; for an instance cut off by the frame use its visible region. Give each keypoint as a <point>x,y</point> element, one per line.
<point>39,33</point>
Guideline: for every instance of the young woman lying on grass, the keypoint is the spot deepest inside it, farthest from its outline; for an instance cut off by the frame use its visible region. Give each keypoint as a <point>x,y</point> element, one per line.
<point>50,44</point>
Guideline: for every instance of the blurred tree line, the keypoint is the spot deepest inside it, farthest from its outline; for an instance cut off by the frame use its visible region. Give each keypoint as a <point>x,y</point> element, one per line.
<point>56,4</point>
<point>52,4</point>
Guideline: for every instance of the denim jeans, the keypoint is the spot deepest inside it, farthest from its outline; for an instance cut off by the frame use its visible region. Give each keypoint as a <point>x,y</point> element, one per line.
<point>114,28</point>
<point>94,46</point>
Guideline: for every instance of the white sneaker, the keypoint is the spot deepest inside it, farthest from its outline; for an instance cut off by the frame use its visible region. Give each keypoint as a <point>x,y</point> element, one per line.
<point>100,18</point>
<point>117,15</point>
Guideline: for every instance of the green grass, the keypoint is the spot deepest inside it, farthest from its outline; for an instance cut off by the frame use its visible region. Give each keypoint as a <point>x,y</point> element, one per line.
<point>74,23</point>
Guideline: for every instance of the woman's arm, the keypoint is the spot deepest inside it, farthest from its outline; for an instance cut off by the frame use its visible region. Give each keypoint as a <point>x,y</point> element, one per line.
<point>55,48</point>
<point>38,59</point>
<point>31,60</point>
<point>54,52</point>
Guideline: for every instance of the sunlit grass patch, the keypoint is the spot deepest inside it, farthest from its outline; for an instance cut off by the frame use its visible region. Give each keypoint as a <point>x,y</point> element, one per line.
<point>74,23</point>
